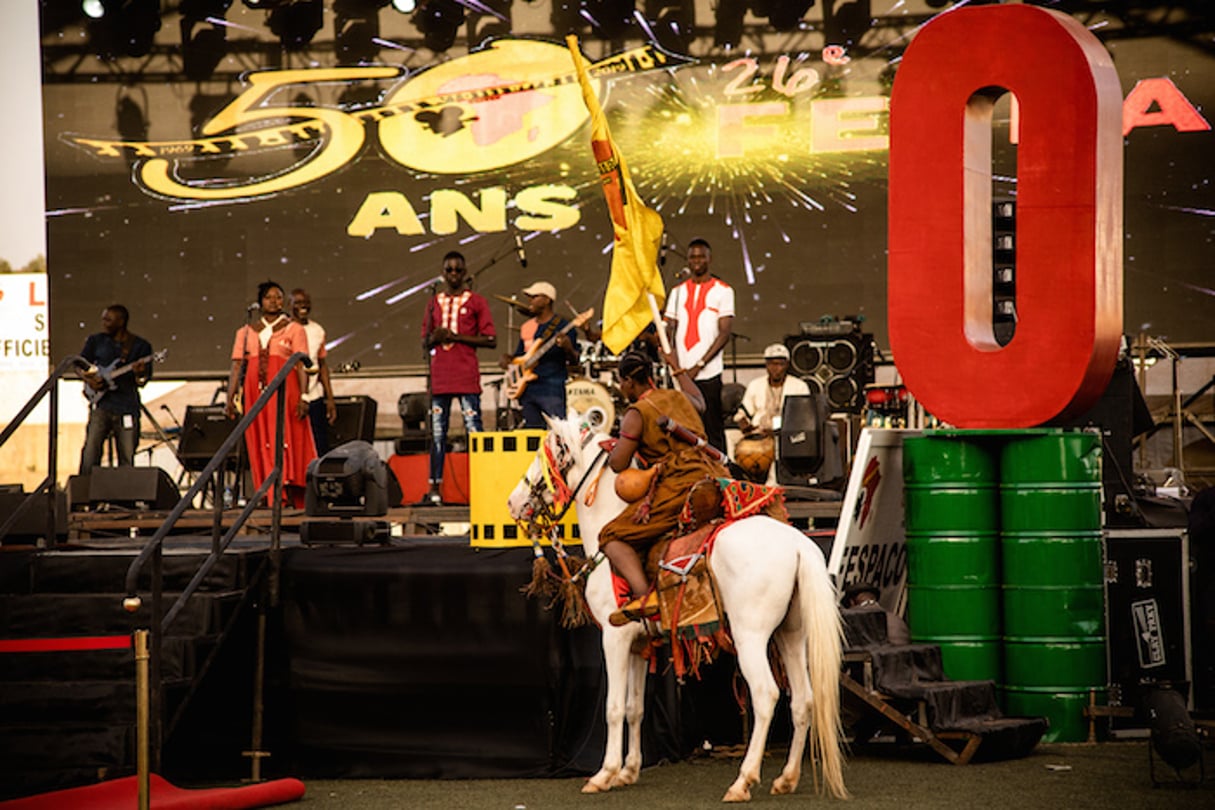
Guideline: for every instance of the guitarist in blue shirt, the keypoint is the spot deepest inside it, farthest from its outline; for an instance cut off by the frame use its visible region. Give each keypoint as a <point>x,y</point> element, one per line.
<point>539,373</point>
<point>115,399</point>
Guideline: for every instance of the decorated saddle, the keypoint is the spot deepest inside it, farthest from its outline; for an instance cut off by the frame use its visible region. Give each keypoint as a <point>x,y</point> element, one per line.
<point>691,617</point>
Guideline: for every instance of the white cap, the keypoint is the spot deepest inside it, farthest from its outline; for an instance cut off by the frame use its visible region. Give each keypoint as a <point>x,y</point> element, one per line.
<point>542,288</point>
<point>776,351</point>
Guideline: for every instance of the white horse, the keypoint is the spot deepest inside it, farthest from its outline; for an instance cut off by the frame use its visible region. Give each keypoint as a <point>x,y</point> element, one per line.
<point>773,584</point>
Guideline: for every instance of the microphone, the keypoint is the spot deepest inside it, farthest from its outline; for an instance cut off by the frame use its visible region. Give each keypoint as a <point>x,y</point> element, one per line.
<point>682,273</point>
<point>520,251</point>
<point>253,306</point>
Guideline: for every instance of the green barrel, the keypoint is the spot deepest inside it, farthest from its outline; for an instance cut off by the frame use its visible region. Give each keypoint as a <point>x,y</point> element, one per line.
<point>1063,709</point>
<point>1053,596</point>
<point>951,519</point>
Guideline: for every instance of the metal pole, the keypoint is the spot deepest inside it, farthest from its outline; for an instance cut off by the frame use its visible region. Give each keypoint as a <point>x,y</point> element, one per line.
<point>1141,348</point>
<point>259,711</point>
<point>52,471</point>
<point>276,512</point>
<point>155,690</point>
<point>217,509</point>
<point>142,700</point>
<point>1177,423</point>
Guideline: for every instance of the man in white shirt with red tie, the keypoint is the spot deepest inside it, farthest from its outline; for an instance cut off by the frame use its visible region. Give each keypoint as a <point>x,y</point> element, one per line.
<point>700,316</point>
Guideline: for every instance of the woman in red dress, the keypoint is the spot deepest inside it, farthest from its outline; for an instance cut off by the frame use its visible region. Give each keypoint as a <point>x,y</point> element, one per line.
<point>262,348</point>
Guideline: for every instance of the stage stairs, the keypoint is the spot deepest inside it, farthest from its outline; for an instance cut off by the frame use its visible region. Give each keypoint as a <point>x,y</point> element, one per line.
<point>900,693</point>
<point>67,716</point>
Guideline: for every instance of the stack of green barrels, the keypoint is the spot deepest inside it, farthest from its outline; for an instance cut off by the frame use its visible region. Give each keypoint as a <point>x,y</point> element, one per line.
<point>1054,594</point>
<point>952,522</point>
<point>1004,564</point>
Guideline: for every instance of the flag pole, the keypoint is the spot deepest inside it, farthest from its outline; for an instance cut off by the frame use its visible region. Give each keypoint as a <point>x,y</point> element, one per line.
<point>658,324</point>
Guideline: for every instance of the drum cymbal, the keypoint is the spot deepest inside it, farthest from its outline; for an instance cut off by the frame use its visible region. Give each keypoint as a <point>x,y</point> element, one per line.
<point>514,302</point>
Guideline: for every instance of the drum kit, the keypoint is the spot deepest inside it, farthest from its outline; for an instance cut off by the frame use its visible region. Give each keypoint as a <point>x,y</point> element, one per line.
<point>587,397</point>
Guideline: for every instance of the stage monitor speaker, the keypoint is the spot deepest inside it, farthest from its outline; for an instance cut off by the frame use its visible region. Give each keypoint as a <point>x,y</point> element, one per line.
<point>129,486</point>
<point>202,432</point>
<point>838,367</point>
<point>1121,414</point>
<point>31,523</point>
<point>355,420</point>
<point>803,418</point>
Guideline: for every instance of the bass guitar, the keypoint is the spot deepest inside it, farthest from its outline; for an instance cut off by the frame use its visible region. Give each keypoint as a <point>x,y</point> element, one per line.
<point>520,372</point>
<point>99,380</point>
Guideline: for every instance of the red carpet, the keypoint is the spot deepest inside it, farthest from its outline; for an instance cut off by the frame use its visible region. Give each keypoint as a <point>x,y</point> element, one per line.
<point>123,794</point>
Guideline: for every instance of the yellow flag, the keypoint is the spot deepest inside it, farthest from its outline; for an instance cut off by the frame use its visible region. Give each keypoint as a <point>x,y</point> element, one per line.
<point>638,231</point>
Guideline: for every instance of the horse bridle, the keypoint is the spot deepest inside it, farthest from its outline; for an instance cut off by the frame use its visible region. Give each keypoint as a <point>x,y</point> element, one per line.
<point>543,517</point>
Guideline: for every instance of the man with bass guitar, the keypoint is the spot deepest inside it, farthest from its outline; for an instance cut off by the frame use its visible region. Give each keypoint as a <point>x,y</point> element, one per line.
<point>121,363</point>
<point>536,373</point>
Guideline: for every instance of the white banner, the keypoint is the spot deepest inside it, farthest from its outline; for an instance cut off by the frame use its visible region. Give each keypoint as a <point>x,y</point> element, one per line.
<point>870,544</point>
<point>24,337</point>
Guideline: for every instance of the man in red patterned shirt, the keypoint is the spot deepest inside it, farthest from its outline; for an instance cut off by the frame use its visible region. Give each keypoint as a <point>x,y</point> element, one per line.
<point>457,323</point>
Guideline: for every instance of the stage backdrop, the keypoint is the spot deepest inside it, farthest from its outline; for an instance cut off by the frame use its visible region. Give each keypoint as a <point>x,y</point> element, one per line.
<point>177,196</point>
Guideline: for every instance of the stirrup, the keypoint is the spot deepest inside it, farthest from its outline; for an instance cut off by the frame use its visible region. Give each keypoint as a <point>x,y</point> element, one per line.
<point>643,607</point>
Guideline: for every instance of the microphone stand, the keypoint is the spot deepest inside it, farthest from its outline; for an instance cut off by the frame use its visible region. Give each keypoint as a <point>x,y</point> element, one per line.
<point>241,455</point>
<point>734,338</point>
<point>185,473</point>
<point>161,436</point>
<point>427,329</point>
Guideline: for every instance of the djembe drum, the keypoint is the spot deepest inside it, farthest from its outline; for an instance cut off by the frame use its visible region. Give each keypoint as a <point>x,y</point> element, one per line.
<point>754,455</point>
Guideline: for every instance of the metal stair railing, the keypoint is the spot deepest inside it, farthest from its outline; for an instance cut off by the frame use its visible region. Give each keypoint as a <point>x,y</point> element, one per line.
<point>153,553</point>
<point>48,484</point>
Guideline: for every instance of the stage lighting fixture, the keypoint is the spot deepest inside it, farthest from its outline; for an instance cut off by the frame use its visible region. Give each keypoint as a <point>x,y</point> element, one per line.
<point>845,23</point>
<point>345,487</point>
<point>122,27</point>
<point>1004,270</point>
<point>356,27</point>
<point>783,15</point>
<point>203,36</point>
<point>414,410</point>
<point>492,21</point>
<point>296,23</point>
<point>1174,736</point>
<point>405,6</point>
<point>438,21</point>
<point>673,23</point>
<point>611,18</point>
<point>727,33</point>
<point>350,480</point>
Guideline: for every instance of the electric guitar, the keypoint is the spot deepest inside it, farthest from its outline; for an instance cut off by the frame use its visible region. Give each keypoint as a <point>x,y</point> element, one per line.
<point>520,372</point>
<point>99,380</point>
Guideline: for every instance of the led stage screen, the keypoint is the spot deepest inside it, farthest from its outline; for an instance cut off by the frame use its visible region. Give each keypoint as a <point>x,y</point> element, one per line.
<point>177,198</point>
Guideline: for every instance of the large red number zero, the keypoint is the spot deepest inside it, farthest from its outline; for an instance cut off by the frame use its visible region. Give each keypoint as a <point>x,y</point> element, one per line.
<point>1069,217</point>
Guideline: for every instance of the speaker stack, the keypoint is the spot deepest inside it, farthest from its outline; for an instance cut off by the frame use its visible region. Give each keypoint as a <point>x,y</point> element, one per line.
<point>836,360</point>
<point>355,420</point>
<point>202,433</point>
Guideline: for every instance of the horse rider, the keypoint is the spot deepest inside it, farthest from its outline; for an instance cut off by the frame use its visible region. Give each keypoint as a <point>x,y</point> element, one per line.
<point>677,465</point>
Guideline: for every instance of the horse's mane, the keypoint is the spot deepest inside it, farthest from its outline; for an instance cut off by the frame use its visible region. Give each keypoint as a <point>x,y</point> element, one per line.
<point>575,439</point>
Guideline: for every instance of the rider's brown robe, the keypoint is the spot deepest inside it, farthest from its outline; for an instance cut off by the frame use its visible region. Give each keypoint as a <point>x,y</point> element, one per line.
<point>682,466</point>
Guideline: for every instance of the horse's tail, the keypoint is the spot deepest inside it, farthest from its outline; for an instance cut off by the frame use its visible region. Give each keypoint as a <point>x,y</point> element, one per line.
<point>824,634</point>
